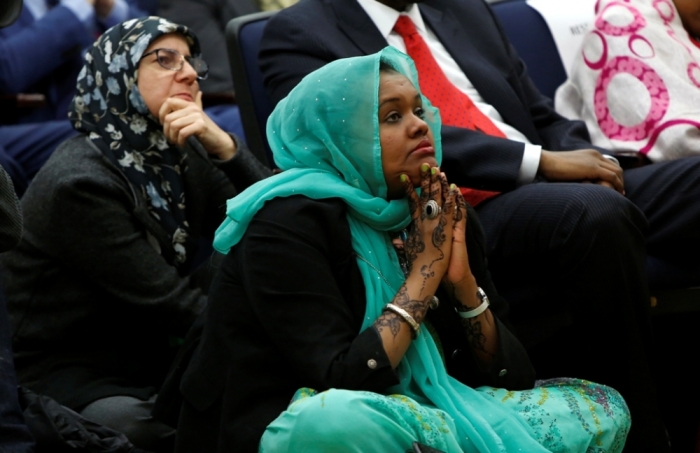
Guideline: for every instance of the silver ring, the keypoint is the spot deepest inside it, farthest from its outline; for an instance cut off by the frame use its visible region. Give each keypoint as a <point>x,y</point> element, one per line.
<point>434,303</point>
<point>431,209</point>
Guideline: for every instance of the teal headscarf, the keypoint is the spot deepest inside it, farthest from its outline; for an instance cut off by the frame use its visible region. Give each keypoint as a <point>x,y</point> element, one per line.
<point>325,135</point>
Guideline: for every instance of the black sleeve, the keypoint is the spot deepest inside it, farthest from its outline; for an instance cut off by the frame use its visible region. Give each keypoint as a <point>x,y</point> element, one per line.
<point>95,232</point>
<point>511,367</point>
<point>10,214</point>
<point>222,180</point>
<point>299,263</point>
<point>243,169</point>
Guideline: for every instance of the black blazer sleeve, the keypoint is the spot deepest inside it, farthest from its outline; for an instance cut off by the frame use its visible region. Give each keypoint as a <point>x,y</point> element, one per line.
<point>212,182</point>
<point>297,288</point>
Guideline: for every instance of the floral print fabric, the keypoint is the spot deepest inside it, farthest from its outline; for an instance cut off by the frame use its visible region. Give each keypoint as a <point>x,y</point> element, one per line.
<point>110,110</point>
<point>566,416</point>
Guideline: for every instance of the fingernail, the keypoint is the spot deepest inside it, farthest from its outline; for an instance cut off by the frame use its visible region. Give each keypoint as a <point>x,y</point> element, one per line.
<point>403,178</point>
<point>424,167</point>
<point>433,171</point>
<point>453,187</point>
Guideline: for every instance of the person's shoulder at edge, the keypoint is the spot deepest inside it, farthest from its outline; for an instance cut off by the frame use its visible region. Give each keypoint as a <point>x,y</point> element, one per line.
<point>76,163</point>
<point>304,214</point>
<point>321,223</point>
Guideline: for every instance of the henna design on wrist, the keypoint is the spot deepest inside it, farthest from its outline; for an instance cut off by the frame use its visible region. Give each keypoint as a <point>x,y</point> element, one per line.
<point>475,335</point>
<point>473,328</point>
<point>417,308</point>
<point>389,321</point>
<point>392,321</point>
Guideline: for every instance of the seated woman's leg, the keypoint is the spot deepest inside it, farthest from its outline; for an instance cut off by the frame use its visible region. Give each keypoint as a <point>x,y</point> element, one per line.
<point>344,421</point>
<point>570,415</point>
<point>132,417</point>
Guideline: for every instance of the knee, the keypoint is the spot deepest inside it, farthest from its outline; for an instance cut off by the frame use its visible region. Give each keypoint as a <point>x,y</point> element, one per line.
<point>337,408</point>
<point>596,212</point>
<point>131,417</point>
<point>334,420</point>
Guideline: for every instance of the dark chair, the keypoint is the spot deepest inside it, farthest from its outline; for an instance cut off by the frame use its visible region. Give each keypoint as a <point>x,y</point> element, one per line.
<point>243,36</point>
<point>529,34</point>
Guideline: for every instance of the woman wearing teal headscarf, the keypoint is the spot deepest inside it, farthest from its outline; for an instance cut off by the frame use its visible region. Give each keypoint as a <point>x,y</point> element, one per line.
<point>319,301</point>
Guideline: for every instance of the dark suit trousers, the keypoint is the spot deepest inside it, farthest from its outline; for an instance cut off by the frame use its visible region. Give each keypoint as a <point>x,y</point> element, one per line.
<point>574,256</point>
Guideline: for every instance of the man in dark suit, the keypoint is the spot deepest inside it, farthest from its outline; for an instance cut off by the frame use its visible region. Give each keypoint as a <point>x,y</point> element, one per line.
<point>41,53</point>
<point>569,233</point>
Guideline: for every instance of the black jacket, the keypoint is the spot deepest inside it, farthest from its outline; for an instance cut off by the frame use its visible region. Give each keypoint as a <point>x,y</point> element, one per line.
<point>285,311</point>
<point>91,300</point>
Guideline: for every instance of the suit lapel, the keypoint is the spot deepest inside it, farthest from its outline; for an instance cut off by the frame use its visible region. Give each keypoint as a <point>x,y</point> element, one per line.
<point>488,81</point>
<point>358,26</point>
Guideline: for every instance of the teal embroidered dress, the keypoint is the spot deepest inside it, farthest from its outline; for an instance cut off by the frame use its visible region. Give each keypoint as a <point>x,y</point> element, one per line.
<point>325,135</point>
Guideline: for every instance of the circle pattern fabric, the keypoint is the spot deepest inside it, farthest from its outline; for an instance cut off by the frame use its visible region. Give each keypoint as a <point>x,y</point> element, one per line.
<point>643,39</point>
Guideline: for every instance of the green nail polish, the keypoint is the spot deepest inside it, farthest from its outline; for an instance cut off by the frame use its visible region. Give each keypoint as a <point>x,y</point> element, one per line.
<point>453,187</point>
<point>403,178</point>
<point>424,167</point>
<point>433,171</point>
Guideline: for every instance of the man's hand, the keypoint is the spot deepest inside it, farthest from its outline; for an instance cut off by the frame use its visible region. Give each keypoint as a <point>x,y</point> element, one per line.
<point>584,165</point>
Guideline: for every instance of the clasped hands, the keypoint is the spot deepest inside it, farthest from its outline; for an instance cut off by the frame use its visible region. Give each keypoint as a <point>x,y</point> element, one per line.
<point>435,247</point>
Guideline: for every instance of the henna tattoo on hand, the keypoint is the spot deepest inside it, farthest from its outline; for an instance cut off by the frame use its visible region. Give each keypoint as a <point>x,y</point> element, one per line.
<point>439,233</point>
<point>413,246</point>
<point>460,208</point>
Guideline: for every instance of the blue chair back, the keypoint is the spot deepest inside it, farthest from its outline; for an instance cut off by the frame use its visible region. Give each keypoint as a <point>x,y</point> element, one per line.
<point>530,35</point>
<point>243,35</point>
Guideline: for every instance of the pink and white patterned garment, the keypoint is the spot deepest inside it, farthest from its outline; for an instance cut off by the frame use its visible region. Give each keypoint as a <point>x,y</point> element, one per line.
<point>636,81</point>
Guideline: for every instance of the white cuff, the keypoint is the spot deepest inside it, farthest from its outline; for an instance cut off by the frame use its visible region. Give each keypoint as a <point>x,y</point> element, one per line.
<point>530,164</point>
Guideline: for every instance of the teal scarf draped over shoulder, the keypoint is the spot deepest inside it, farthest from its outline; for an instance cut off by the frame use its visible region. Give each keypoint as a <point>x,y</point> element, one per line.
<point>325,136</point>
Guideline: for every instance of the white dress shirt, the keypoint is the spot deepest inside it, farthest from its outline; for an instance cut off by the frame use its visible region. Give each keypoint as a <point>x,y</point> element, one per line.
<point>385,17</point>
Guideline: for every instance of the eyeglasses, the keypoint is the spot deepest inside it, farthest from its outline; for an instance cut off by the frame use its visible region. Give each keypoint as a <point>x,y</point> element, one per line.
<point>175,61</point>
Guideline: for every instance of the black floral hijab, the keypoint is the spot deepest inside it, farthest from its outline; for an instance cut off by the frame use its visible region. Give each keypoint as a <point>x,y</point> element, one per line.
<point>109,108</point>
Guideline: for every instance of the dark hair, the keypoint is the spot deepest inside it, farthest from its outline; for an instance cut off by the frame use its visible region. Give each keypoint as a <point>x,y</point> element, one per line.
<point>386,67</point>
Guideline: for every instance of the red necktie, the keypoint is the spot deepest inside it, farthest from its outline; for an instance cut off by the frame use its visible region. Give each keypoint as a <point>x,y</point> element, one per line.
<point>456,108</point>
